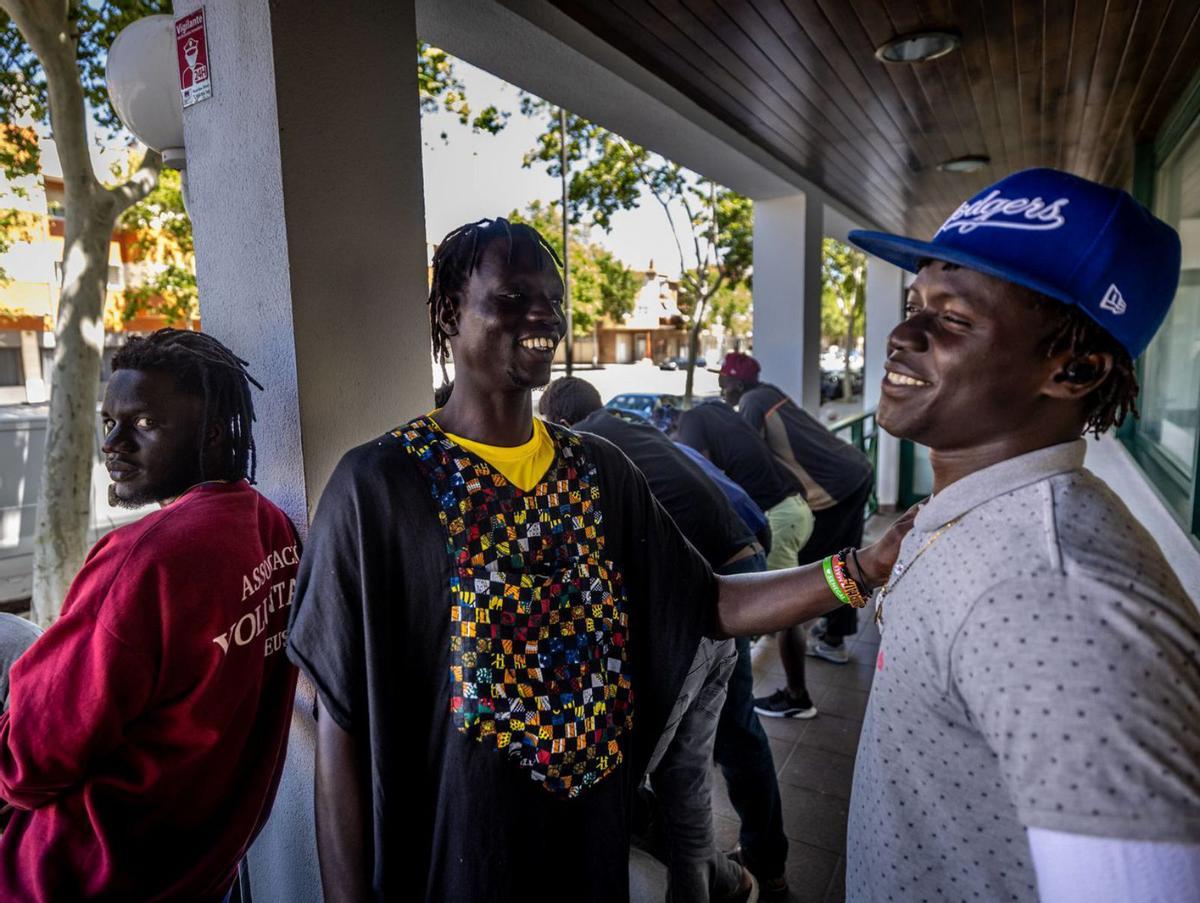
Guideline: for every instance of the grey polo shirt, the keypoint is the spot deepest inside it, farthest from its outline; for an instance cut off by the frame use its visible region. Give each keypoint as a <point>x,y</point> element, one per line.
<point>1040,667</point>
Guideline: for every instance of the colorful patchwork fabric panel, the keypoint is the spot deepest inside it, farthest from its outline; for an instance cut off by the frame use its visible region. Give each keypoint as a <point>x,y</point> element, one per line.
<point>538,618</point>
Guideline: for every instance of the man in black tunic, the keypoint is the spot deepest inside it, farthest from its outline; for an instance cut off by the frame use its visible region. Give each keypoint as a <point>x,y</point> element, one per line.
<point>498,617</point>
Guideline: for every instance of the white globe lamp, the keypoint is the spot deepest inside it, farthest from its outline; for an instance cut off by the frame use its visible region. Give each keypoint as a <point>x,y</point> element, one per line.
<point>143,84</point>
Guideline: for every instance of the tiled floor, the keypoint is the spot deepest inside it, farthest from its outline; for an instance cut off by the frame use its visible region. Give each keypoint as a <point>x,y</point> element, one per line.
<point>814,761</point>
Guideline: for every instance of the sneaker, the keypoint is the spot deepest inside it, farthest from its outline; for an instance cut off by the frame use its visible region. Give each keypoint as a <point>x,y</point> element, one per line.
<point>745,894</point>
<point>775,888</point>
<point>781,704</point>
<point>839,655</point>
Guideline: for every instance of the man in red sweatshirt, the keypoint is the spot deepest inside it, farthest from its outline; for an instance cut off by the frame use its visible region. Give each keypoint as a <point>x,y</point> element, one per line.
<point>146,729</point>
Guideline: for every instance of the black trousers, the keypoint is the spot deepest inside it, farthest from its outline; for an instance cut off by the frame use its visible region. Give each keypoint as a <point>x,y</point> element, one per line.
<point>834,529</point>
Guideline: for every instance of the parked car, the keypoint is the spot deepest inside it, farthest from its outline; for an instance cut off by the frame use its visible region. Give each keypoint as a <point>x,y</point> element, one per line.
<point>640,403</point>
<point>680,363</point>
<point>22,448</point>
<point>831,384</point>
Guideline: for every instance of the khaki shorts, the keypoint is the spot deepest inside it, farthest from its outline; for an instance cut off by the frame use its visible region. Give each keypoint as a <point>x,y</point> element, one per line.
<point>791,525</point>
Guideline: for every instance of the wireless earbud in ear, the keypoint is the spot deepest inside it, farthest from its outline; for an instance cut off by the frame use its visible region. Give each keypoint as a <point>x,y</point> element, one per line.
<point>1078,372</point>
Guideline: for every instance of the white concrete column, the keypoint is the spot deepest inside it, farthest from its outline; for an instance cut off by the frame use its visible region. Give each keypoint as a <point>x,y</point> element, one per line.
<point>787,295</point>
<point>305,190</point>
<point>885,307</point>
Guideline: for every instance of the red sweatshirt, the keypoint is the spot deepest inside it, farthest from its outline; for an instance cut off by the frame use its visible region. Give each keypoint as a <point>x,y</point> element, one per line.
<point>147,727</point>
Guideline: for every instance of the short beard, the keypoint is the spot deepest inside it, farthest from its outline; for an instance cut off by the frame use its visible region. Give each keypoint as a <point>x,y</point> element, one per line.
<point>137,501</point>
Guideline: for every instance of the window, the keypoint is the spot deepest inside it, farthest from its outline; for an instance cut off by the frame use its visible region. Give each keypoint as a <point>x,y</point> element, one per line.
<point>1171,367</point>
<point>10,367</point>
<point>1166,440</point>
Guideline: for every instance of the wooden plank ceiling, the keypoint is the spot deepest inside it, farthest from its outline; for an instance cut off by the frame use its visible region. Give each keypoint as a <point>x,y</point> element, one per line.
<point>1074,85</point>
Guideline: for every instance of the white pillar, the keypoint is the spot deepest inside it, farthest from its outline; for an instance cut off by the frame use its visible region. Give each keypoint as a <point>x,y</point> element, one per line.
<point>31,362</point>
<point>787,295</point>
<point>305,191</point>
<point>885,307</point>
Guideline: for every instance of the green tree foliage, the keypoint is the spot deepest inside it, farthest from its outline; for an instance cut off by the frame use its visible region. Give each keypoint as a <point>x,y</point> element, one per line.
<point>162,241</point>
<point>161,223</point>
<point>601,286</point>
<point>843,300</point>
<point>732,309</point>
<point>440,87</point>
<point>24,98</point>
<point>607,173</point>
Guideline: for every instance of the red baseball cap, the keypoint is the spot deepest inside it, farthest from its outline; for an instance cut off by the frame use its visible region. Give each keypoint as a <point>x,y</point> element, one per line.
<point>740,366</point>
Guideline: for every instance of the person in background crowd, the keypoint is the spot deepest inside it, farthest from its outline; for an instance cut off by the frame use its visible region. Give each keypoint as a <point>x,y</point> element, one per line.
<point>714,429</point>
<point>681,765</point>
<point>498,617</point>
<point>837,480</point>
<point>742,748</point>
<point>147,727</point>
<point>1033,727</point>
<point>666,418</point>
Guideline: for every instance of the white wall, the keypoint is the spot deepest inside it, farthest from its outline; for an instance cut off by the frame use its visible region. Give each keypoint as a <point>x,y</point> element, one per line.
<point>787,295</point>
<point>1108,459</point>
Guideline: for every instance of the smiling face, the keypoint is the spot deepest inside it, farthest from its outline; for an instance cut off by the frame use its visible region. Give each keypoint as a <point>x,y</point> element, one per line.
<point>507,321</point>
<point>968,366</point>
<point>152,436</point>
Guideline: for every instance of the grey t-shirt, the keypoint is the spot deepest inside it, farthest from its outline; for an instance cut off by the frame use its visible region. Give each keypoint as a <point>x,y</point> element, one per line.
<point>1040,667</point>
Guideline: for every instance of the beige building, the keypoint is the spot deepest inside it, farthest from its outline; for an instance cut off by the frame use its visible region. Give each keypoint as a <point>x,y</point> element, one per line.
<point>32,266</point>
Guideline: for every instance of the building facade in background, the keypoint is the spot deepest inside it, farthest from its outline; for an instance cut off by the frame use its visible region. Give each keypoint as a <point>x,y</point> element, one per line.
<point>32,271</point>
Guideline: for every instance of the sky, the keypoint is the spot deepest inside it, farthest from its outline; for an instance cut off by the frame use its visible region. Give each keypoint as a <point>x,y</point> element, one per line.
<point>469,176</point>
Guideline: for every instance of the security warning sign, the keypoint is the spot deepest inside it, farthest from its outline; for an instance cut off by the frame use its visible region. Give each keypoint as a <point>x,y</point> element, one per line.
<point>191,47</point>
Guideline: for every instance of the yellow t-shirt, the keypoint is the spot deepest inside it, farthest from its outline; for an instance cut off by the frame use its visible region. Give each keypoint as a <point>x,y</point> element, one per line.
<point>522,465</point>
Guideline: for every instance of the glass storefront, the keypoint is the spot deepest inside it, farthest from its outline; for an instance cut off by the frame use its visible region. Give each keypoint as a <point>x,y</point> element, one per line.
<point>1171,366</point>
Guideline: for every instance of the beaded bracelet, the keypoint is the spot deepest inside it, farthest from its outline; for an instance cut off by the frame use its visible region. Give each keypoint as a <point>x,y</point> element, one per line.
<point>851,594</point>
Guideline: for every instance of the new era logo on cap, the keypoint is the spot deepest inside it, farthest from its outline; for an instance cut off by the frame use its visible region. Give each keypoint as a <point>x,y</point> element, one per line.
<point>1112,301</point>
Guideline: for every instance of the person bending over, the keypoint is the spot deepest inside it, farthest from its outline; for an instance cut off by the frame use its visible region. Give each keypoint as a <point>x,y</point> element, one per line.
<point>146,728</point>
<point>837,480</point>
<point>714,429</point>
<point>681,765</point>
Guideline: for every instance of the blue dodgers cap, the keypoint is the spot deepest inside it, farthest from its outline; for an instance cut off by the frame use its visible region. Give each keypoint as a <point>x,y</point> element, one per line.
<point>1074,240</point>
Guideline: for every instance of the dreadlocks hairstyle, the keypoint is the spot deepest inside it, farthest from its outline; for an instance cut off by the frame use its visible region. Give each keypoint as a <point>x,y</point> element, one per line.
<point>1072,330</point>
<point>568,400</point>
<point>455,260</point>
<point>203,366</point>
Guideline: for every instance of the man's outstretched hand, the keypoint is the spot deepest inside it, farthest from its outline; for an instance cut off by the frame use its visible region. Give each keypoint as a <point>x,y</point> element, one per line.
<point>877,559</point>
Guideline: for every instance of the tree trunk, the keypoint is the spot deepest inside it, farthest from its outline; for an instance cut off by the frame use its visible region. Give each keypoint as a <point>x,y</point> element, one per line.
<point>64,498</point>
<point>693,348</point>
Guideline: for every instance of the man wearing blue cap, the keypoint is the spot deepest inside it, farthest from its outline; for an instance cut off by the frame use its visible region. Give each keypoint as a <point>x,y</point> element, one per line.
<point>1033,725</point>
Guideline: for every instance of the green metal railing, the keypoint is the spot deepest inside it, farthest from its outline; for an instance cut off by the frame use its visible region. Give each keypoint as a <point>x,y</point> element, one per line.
<point>863,435</point>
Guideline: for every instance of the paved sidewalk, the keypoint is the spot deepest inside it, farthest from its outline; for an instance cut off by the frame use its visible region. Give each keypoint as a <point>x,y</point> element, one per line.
<point>813,759</point>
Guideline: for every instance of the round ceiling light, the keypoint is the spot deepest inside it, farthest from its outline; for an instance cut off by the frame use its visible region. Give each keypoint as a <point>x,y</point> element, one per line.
<point>918,47</point>
<point>972,163</point>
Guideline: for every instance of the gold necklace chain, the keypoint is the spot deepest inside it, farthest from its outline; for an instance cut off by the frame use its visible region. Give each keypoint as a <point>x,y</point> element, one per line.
<point>900,570</point>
